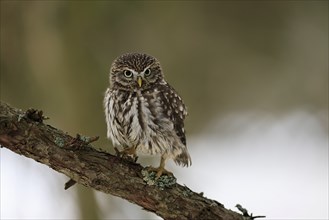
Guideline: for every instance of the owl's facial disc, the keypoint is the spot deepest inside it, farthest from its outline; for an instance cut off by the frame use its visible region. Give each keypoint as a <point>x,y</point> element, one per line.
<point>135,78</point>
<point>139,77</point>
<point>132,77</point>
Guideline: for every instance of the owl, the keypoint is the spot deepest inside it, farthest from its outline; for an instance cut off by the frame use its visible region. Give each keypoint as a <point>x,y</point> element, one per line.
<point>144,114</point>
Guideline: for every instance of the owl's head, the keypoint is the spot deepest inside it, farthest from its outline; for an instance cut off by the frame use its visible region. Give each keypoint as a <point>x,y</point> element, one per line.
<point>135,71</point>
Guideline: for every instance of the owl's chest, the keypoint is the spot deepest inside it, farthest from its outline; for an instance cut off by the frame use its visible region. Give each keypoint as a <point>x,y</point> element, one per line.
<point>138,115</point>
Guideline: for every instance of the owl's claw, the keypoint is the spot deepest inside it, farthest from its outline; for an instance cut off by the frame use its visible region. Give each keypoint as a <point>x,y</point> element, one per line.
<point>127,153</point>
<point>159,171</point>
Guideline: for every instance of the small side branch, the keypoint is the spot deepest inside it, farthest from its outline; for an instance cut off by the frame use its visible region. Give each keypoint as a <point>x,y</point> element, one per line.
<point>25,133</point>
<point>246,215</point>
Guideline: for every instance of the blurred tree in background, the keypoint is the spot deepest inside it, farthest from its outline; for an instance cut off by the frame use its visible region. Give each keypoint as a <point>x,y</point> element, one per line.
<point>221,56</point>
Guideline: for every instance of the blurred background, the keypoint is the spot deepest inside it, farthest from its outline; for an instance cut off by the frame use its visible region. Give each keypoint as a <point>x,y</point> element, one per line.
<point>253,74</point>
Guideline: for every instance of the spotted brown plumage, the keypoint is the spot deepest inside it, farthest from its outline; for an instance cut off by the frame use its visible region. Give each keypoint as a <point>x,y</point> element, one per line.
<point>144,114</point>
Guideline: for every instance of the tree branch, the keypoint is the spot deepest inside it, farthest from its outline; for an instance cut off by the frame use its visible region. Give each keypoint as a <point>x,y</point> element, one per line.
<point>25,133</point>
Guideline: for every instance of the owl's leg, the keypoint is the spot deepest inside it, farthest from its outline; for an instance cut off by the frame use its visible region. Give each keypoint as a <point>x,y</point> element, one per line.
<point>161,169</point>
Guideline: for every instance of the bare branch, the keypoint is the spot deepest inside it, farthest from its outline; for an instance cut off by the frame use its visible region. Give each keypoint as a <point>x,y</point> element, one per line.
<point>25,133</point>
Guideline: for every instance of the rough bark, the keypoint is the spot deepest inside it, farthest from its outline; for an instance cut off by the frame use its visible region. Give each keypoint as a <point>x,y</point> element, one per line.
<point>25,133</point>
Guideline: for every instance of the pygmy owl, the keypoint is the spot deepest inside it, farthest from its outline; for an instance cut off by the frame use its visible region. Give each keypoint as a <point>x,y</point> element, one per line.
<point>144,114</point>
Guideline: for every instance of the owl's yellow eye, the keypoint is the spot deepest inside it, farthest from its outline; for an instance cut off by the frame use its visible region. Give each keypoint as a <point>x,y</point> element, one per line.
<point>147,72</point>
<point>127,73</point>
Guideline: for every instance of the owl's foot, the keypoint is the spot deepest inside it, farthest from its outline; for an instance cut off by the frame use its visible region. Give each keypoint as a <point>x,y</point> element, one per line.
<point>127,153</point>
<point>159,171</point>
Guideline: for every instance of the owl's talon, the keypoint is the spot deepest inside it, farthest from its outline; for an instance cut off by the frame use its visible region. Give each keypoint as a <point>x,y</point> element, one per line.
<point>127,153</point>
<point>163,171</point>
<point>159,171</point>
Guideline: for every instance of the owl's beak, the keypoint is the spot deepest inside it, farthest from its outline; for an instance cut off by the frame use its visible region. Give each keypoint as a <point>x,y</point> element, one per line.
<point>139,81</point>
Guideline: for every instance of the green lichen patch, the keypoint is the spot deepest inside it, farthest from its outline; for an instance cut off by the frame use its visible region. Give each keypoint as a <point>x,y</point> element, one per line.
<point>164,181</point>
<point>187,192</point>
<point>84,138</point>
<point>59,142</point>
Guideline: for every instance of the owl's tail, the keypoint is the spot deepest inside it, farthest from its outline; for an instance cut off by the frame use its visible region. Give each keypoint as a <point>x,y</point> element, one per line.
<point>183,159</point>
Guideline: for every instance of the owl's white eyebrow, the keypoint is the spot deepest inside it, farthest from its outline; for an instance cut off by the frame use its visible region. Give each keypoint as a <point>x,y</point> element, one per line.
<point>146,68</point>
<point>132,70</point>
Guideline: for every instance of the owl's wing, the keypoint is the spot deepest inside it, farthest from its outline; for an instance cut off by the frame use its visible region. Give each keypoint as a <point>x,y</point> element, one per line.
<point>176,111</point>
